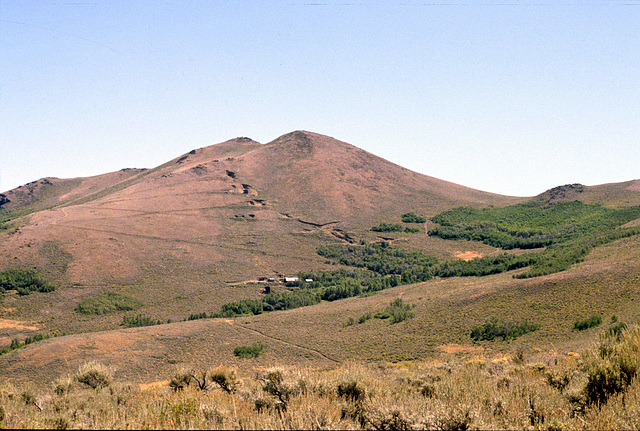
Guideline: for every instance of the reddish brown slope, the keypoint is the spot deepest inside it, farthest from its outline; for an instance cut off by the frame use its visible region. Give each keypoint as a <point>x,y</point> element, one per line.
<point>47,192</point>
<point>324,179</point>
<point>239,205</point>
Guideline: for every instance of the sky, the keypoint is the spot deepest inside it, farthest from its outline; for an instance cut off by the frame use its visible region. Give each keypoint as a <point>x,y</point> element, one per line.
<point>511,97</point>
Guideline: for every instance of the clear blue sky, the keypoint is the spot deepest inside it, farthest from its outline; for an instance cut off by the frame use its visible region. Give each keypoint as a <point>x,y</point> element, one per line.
<point>512,97</point>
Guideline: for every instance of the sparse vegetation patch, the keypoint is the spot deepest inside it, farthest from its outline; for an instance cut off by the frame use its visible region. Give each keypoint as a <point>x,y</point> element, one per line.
<point>596,390</point>
<point>140,320</point>
<point>247,352</point>
<point>16,344</point>
<point>108,303</point>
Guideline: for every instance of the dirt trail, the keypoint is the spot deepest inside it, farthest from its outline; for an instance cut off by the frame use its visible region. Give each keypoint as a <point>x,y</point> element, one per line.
<point>317,352</point>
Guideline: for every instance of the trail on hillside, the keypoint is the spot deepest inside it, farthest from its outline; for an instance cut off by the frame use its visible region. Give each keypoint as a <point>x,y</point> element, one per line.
<point>317,352</point>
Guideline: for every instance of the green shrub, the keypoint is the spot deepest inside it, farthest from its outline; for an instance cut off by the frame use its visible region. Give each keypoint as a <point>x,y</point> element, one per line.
<point>24,281</point>
<point>494,329</point>
<point>581,325</point>
<point>616,330</point>
<point>397,311</point>
<point>612,368</point>
<point>139,320</point>
<point>247,352</point>
<point>365,317</point>
<point>108,303</point>
<point>388,227</point>
<point>413,218</point>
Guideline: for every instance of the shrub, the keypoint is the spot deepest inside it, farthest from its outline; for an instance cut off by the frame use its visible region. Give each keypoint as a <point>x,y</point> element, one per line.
<point>252,351</point>
<point>581,325</point>
<point>387,227</point>
<point>616,330</point>
<point>351,390</point>
<point>558,379</point>
<point>139,320</point>
<point>281,385</point>
<point>108,303</point>
<point>95,375</point>
<point>24,281</point>
<point>389,420</point>
<point>350,321</point>
<point>397,311</point>
<point>413,218</point>
<point>226,378</point>
<point>365,317</point>
<point>180,380</point>
<point>612,368</point>
<point>494,329</point>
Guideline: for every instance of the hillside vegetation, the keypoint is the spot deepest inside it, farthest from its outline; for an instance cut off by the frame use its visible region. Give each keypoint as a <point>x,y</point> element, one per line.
<point>418,303</point>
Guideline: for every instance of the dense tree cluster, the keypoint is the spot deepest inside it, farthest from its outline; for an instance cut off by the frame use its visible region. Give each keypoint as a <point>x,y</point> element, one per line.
<point>24,281</point>
<point>494,329</point>
<point>530,225</point>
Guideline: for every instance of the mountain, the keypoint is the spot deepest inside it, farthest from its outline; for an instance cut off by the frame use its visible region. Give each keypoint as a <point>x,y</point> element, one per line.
<point>247,206</point>
<point>620,194</point>
<point>201,229</point>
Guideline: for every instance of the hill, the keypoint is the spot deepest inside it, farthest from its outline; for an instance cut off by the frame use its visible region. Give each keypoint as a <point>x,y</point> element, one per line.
<point>202,229</point>
<point>218,215</point>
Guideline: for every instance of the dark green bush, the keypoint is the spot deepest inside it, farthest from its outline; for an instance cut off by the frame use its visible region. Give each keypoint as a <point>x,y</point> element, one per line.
<point>24,281</point>
<point>397,311</point>
<point>581,325</point>
<point>108,303</point>
<point>139,320</point>
<point>247,352</point>
<point>388,227</point>
<point>413,218</point>
<point>495,329</point>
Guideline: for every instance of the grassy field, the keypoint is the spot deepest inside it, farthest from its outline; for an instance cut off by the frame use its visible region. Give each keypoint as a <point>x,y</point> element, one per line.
<point>598,389</point>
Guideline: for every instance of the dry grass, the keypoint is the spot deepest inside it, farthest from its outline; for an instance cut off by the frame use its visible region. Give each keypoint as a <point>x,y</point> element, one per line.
<point>546,392</point>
